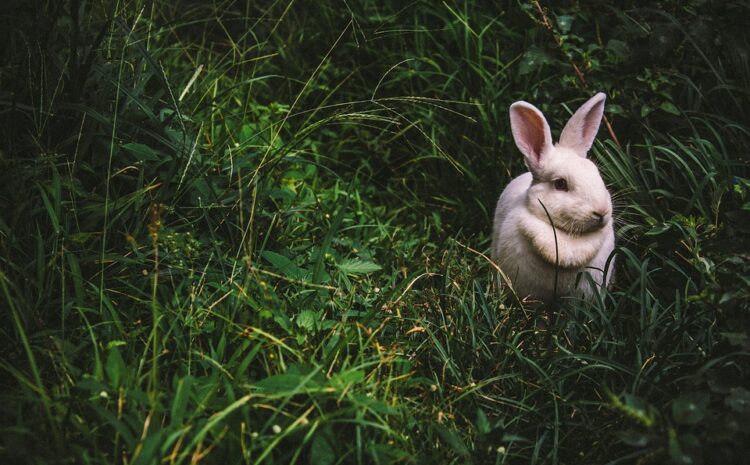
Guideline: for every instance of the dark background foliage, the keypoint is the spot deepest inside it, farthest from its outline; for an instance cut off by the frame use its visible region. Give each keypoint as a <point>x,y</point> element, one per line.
<point>241,232</point>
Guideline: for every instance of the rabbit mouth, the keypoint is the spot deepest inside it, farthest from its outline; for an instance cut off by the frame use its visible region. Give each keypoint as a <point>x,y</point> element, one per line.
<point>583,226</point>
<point>595,223</point>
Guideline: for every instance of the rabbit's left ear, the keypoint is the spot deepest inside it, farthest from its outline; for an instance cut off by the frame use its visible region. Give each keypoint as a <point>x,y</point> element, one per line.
<point>580,131</point>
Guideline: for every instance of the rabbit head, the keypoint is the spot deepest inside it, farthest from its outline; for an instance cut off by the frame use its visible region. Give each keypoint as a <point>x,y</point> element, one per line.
<point>564,181</point>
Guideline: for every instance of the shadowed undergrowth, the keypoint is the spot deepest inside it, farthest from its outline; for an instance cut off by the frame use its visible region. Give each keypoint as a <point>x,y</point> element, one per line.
<point>245,234</point>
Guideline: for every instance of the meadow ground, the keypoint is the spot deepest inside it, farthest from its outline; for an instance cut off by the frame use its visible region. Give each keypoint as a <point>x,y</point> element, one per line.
<point>257,233</point>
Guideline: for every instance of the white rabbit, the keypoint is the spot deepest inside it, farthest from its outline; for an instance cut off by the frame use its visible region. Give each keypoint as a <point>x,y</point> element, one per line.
<point>562,180</point>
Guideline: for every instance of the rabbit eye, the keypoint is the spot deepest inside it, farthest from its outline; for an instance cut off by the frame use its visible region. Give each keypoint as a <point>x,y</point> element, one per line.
<point>561,184</point>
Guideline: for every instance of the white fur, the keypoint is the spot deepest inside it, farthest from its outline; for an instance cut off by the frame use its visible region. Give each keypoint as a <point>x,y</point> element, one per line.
<point>523,241</point>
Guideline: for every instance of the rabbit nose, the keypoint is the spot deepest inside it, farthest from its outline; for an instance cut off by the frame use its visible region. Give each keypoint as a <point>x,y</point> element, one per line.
<point>598,217</point>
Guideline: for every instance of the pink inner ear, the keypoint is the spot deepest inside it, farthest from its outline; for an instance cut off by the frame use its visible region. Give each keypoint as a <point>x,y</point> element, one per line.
<point>591,122</point>
<point>580,131</point>
<point>532,131</point>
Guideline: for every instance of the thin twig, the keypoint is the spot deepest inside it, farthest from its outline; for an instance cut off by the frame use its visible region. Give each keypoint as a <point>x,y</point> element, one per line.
<point>576,69</point>
<point>291,280</point>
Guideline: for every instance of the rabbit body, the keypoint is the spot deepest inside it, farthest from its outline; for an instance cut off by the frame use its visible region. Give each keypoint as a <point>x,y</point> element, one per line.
<point>542,262</point>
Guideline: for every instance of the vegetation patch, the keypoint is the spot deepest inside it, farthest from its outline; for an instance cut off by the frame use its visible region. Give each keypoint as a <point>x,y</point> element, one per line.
<point>259,233</point>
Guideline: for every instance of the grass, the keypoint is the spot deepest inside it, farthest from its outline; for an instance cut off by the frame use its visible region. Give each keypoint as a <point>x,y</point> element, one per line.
<point>257,234</point>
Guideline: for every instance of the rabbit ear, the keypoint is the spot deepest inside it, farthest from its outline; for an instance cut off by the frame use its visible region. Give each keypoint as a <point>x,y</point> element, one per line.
<point>531,133</point>
<point>580,131</point>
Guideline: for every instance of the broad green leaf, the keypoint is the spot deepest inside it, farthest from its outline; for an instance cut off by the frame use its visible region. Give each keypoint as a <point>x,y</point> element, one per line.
<point>180,401</point>
<point>533,59</point>
<point>285,383</point>
<point>115,367</point>
<point>356,266</point>
<point>348,377</point>
<point>565,22</point>
<point>141,151</point>
<point>690,408</point>
<point>321,451</point>
<point>284,265</point>
<point>670,108</point>
<point>307,319</point>
<point>452,440</point>
<point>247,133</point>
<point>483,424</point>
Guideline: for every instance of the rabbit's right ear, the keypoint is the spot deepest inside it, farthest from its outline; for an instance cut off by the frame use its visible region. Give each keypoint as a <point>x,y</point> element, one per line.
<point>580,131</point>
<point>531,133</point>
